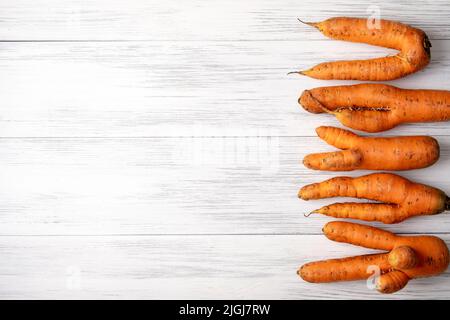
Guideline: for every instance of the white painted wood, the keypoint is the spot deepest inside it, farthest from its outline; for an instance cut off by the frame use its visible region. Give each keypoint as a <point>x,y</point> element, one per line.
<point>173,186</point>
<point>100,173</point>
<point>200,19</point>
<point>178,88</point>
<point>183,267</point>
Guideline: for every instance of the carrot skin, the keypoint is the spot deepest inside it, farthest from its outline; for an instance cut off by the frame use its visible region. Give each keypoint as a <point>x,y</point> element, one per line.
<point>344,269</point>
<point>334,161</point>
<point>373,212</point>
<point>403,257</point>
<point>392,282</point>
<point>359,235</point>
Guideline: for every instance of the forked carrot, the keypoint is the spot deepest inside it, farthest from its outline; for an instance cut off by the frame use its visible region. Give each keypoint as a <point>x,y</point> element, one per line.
<point>406,257</point>
<point>412,43</point>
<point>401,199</point>
<point>373,107</point>
<point>372,153</point>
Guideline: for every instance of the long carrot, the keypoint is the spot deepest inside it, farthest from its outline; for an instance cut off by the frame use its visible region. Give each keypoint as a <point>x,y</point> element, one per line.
<point>372,153</point>
<point>377,107</point>
<point>401,198</point>
<point>406,257</point>
<point>413,44</point>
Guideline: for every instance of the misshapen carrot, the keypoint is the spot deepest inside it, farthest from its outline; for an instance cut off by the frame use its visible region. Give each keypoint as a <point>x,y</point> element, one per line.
<point>377,107</point>
<point>401,198</point>
<point>406,257</point>
<point>413,44</point>
<point>372,153</point>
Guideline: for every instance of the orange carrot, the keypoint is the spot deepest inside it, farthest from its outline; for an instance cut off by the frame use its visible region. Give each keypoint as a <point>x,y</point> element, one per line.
<point>377,107</point>
<point>401,198</point>
<point>413,46</point>
<point>390,153</point>
<point>421,256</point>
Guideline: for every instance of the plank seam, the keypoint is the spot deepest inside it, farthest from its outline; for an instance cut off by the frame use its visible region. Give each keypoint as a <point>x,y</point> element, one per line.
<point>175,40</point>
<point>197,234</point>
<point>165,137</point>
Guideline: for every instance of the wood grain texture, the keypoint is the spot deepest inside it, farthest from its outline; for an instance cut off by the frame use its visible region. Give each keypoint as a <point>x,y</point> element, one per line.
<point>174,186</point>
<point>219,267</point>
<point>200,19</point>
<point>151,149</point>
<point>178,88</point>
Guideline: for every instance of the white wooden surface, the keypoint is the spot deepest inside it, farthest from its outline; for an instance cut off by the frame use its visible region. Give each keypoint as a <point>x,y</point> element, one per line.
<point>151,149</point>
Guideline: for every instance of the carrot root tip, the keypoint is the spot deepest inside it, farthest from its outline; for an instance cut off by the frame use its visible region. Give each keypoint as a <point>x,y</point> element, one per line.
<point>309,213</point>
<point>302,72</point>
<point>312,24</point>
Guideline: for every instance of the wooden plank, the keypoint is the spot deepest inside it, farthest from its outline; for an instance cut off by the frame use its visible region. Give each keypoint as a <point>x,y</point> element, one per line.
<point>183,267</point>
<point>104,192</point>
<point>200,20</point>
<point>173,186</point>
<point>187,88</point>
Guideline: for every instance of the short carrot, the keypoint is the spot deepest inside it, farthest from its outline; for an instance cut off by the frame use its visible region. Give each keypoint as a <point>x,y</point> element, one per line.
<point>372,153</point>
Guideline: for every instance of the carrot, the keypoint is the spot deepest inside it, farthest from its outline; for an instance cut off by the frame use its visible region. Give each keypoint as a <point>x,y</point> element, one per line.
<point>401,198</point>
<point>392,281</point>
<point>420,256</point>
<point>391,153</point>
<point>413,44</point>
<point>403,258</point>
<point>377,107</point>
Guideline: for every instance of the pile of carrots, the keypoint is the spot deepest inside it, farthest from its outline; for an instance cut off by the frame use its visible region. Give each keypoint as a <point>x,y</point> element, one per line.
<point>371,108</point>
